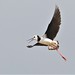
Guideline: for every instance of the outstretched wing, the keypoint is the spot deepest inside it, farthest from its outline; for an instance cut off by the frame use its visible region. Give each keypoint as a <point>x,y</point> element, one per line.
<point>37,44</point>
<point>54,25</point>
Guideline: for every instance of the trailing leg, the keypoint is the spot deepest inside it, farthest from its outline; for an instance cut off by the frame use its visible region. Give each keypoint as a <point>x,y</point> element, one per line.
<point>61,54</point>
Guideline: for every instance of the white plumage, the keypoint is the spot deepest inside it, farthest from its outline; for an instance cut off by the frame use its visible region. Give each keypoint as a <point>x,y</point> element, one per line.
<point>48,38</point>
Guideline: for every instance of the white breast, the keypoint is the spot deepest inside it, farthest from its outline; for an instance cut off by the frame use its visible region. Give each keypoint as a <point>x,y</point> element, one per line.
<point>45,41</point>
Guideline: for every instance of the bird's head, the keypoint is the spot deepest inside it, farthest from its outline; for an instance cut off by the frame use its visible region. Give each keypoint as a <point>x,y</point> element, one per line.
<point>35,37</point>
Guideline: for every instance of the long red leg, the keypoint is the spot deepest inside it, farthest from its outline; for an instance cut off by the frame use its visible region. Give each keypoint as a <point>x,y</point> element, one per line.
<point>61,54</point>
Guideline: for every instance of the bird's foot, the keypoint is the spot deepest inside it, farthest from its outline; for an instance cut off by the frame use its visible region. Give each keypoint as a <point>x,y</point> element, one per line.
<point>50,48</point>
<point>53,48</point>
<point>62,55</point>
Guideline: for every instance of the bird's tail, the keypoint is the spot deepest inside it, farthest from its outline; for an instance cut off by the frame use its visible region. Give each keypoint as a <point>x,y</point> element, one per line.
<point>61,55</point>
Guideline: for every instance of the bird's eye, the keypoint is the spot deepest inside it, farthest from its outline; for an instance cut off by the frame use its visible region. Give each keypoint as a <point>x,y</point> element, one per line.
<point>34,37</point>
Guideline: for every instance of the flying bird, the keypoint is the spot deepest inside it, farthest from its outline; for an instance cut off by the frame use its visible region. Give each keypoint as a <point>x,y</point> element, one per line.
<point>48,38</point>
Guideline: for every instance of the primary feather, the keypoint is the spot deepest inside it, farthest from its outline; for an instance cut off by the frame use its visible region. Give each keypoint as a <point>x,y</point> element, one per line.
<point>54,25</point>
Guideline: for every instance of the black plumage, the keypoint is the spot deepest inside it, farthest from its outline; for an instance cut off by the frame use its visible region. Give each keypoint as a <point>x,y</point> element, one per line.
<point>54,25</point>
<point>52,29</point>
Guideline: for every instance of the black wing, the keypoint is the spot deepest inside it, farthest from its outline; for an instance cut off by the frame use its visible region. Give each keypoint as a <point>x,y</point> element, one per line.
<point>53,27</point>
<point>37,44</point>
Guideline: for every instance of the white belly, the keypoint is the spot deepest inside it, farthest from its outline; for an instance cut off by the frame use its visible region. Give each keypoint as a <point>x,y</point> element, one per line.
<point>45,41</point>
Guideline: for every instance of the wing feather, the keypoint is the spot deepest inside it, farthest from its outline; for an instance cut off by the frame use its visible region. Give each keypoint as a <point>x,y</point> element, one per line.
<point>54,25</point>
